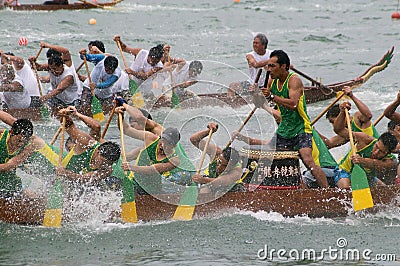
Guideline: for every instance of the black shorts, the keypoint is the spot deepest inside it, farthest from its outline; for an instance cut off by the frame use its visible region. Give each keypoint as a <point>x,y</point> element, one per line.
<point>303,140</point>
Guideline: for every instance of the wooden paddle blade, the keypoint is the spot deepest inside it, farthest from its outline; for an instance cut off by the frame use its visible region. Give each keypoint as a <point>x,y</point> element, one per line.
<point>187,204</point>
<point>128,204</point>
<point>362,198</point>
<point>53,214</point>
<point>97,110</point>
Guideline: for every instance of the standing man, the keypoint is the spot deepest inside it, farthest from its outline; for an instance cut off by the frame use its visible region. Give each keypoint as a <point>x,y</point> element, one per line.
<point>256,59</point>
<point>294,131</point>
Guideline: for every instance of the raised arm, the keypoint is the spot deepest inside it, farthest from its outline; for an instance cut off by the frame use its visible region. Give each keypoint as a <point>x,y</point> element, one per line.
<point>126,48</point>
<point>197,139</point>
<point>364,116</point>
<point>390,111</point>
<point>65,54</point>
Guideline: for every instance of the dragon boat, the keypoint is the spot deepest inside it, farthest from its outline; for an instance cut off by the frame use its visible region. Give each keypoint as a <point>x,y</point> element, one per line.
<point>75,6</point>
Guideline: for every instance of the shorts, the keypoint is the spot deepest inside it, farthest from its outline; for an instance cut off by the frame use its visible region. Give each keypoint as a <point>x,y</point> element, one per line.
<point>340,173</point>
<point>57,103</point>
<point>35,102</point>
<point>303,140</point>
<point>311,182</point>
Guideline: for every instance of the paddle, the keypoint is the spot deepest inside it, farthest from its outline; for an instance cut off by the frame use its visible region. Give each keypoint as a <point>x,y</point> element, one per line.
<point>128,204</point>
<point>319,84</point>
<point>187,204</point>
<point>379,119</point>
<point>103,134</point>
<point>53,140</point>
<point>340,95</point>
<point>97,109</point>
<point>45,113</point>
<point>362,198</point>
<point>137,97</point>
<point>252,111</point>
<point>53,213</point>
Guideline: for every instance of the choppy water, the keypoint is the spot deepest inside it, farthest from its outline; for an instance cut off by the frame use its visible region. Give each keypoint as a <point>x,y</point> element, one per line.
<point>331,40</point>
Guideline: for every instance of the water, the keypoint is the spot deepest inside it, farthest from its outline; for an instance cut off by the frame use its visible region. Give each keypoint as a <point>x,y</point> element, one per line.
<point>334,41</point>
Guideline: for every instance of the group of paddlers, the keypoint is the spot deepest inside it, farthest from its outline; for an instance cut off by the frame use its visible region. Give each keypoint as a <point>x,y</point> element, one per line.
<point>161,164</point>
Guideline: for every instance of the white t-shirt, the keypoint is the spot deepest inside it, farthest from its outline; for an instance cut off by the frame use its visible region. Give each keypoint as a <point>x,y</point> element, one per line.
<point>28,76</point>
<point>141,64</point>
<point>100,75</point>
<point>17,99</point>
<point>253,71</point>
<point>70,94</point>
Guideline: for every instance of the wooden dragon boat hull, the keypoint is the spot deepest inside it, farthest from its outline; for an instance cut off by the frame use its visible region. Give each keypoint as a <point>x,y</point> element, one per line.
<point>310,202</point>
<point>312,93</point>
<point>74,6</point>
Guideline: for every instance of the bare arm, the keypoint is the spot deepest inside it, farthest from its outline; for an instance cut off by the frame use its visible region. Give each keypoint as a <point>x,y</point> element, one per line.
<point>158,167</point>
<point>390,111</point>
<point>64,84</point>
<point>251,61</point>
<point>7,118</point>
<point>92,177</point>
<point>363,117</point>
<point>197,139</point>
<point>126,48</point>
<point>12,87</point>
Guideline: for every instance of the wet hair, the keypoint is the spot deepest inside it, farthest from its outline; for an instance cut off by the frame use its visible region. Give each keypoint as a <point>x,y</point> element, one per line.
<point>333,111</point>
<point>98,44</point>
<point>263,39</point>
<point>156,52</point>
<point>392,125</point>
<point>196,65</point>
<point>230,154</point>
<point>389,141</point>
<point>110,151</point>
<point>22,126</point>
<point>55,60</point>
<point>283,58</point>
<point>51,52</point>
<point>111,62</point>
<point>9,53</point>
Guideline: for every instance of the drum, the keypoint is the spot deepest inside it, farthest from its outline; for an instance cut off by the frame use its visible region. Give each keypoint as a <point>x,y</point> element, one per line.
<point>275,170</point>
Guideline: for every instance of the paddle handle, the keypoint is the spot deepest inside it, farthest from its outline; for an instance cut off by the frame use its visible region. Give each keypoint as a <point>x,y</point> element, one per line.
<point>266,79</point>
<point>80,66</point>
<point>53,140</point>
<point>341,94</point>
<point>379,119</point>
<point>242,125</point>
<point>64,120</point>
<point>258,76</point>
<point>38,53</point>
<point>123,57</point>
<point>103,134</point>
<point>353,146</point>
<point>307,77</point>
<point>203,154</point>
<point>87,69</point>
<point>121,135</point>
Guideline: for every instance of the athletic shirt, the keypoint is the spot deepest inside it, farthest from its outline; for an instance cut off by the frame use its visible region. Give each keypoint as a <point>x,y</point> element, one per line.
<point>99,76</point>
<point>122,83</point>
<point>293,122</point>
<point>320,152</point>
<point>28,76</point>
<point>253,71</point>
<point>347,164</point>
<point>17,99</point>
<point>141,64</point>
<point>70,94</point>
<point>9,181</point>
<point>151,183</point>
<point>80,163</point>
<point>370,131</point>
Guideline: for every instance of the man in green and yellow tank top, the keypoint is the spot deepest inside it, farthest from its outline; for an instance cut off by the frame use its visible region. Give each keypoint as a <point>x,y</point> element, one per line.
<point>88,162</point>
<point>158,157</point>
<point>373,155</point>
<point>294,132</point>
<point>361,121</point>
<point>224,169</point>
<point>13,152</point>
<point>140,119</point>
